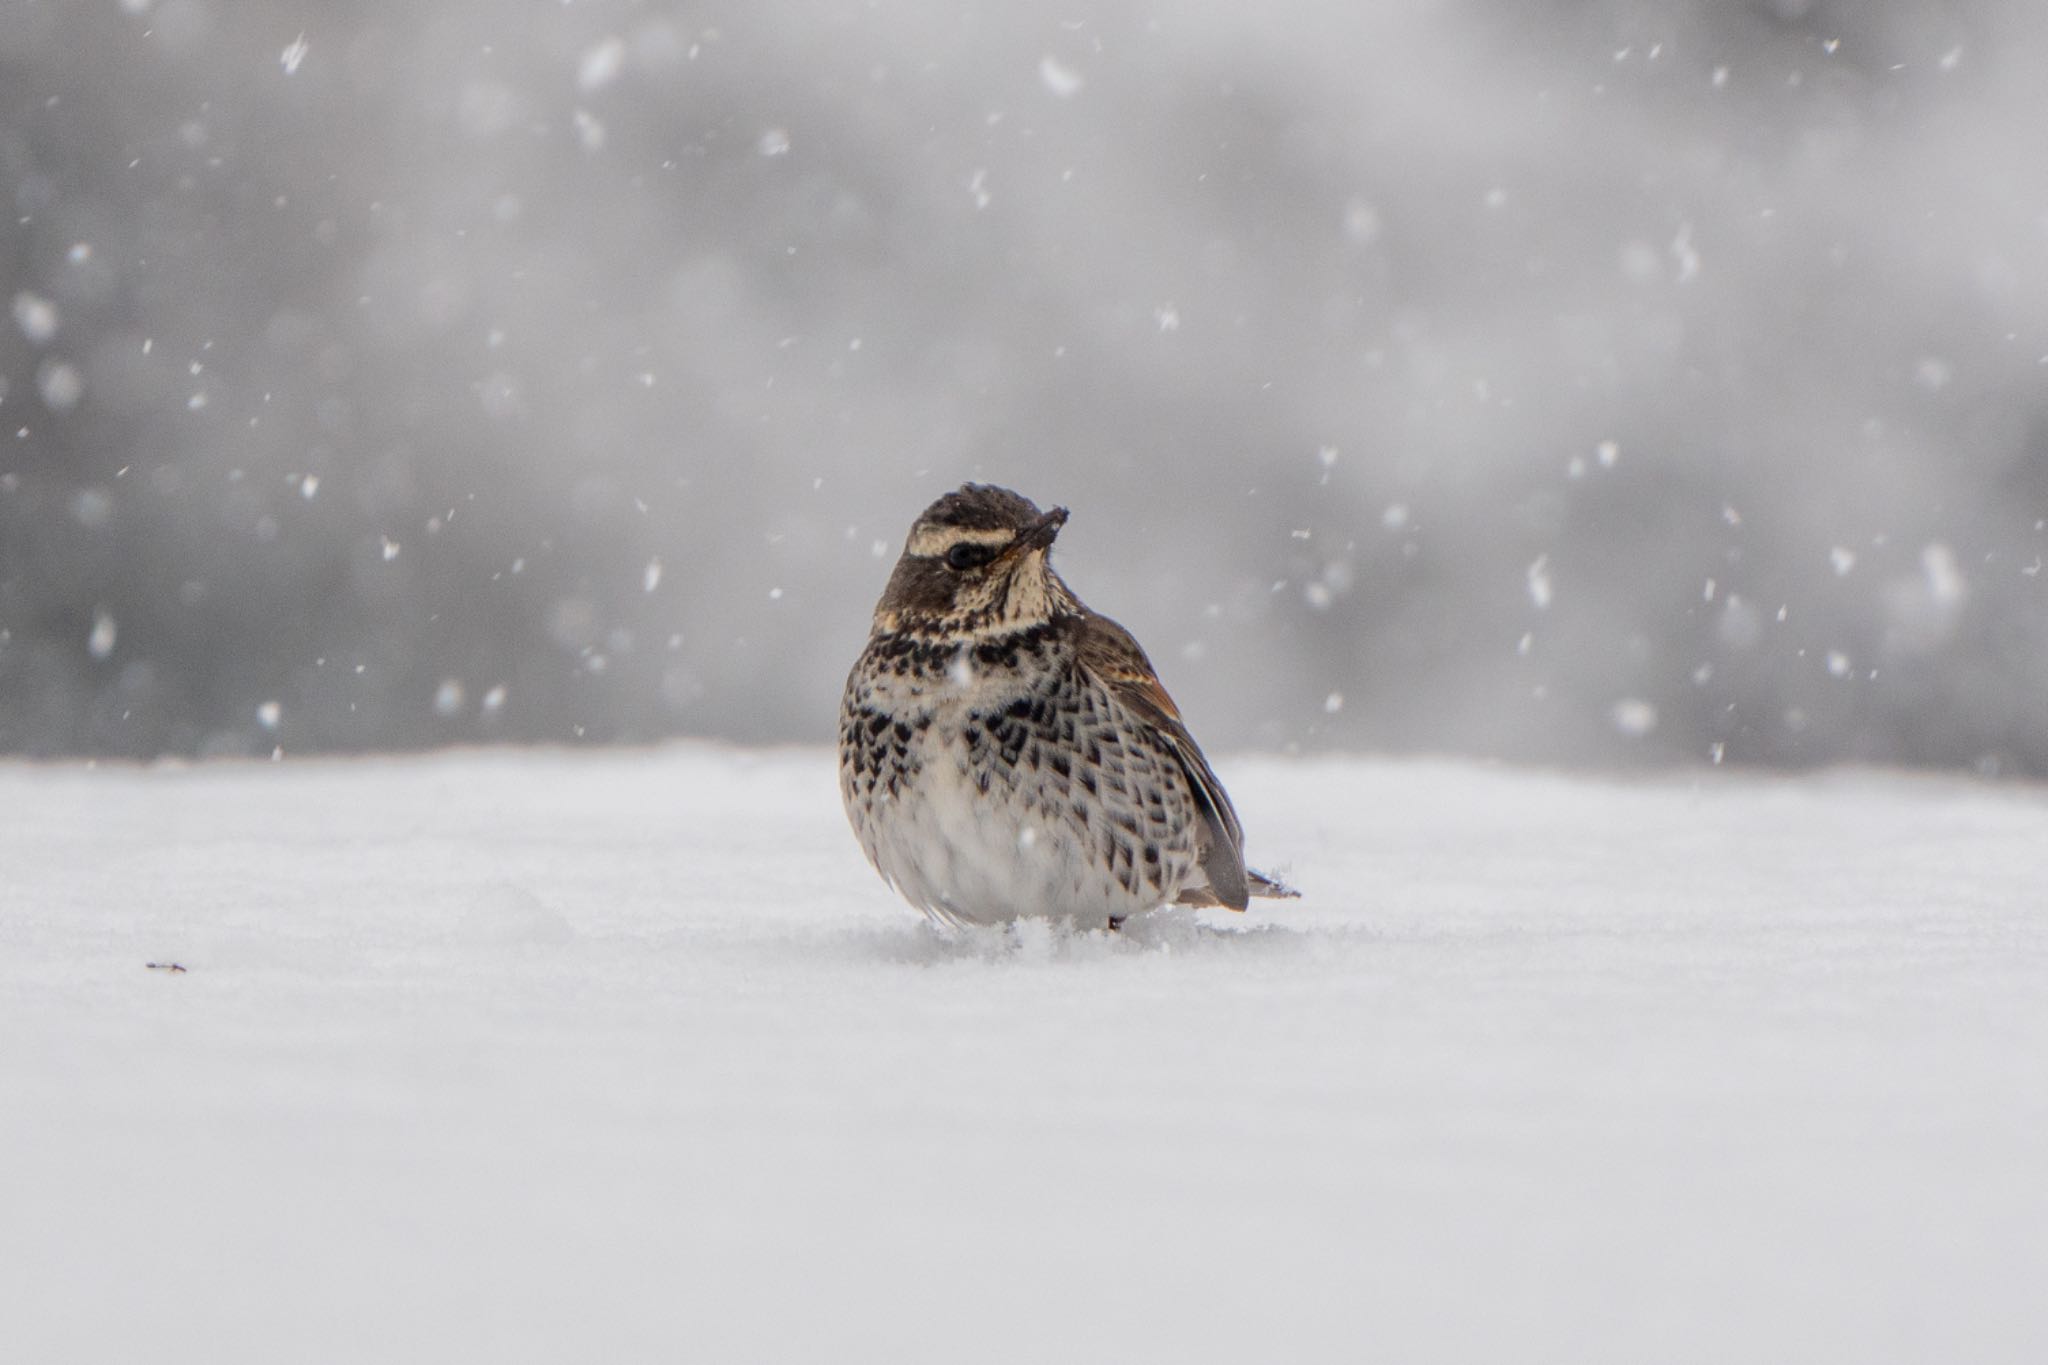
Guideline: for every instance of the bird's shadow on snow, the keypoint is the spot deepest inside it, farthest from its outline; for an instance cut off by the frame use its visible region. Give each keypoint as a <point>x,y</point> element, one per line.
<point>1163,933</point>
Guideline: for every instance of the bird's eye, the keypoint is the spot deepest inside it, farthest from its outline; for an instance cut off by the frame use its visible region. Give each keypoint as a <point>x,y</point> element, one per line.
<point>968,555</point>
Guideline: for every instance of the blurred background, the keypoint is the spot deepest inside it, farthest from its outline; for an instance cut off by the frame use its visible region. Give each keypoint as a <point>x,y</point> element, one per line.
<point>1625,381</point>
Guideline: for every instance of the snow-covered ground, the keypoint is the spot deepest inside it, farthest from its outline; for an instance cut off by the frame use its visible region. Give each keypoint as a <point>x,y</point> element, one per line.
<point>521,1056</point>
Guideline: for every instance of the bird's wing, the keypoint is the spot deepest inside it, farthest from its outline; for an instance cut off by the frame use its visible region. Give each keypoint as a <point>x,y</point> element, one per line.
<point>1107,650</point>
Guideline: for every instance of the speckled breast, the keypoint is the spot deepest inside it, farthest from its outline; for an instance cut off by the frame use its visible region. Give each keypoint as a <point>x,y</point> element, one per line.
<point>993,780</point>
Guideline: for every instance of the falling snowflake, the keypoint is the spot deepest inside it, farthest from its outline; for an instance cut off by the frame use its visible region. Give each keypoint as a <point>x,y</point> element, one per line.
<point>36,316</point>
<point>1634,717</point>
<point>600,65</point>
<point>100,643</point>
<point>1062,80</point>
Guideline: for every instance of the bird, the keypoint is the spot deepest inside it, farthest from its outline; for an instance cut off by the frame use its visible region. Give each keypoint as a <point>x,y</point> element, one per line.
<point>1005,753</point>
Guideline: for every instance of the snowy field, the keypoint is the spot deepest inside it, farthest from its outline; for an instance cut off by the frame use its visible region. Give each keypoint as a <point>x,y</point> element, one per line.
<point>520,1056</point>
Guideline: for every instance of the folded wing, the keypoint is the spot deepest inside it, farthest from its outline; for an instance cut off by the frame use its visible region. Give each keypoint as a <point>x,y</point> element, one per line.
<point>1107,650</point>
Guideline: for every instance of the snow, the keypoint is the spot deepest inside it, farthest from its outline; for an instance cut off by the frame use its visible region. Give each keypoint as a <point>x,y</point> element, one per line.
<point>533,1056</point>
<point>36,316</point>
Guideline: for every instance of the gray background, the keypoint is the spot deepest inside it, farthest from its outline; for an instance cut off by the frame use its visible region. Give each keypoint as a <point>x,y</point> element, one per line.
<point>1589,383</point>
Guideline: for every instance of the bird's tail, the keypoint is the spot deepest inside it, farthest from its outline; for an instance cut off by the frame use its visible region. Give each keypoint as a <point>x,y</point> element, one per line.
<point>1272,888</point>
<point>1257,883</point>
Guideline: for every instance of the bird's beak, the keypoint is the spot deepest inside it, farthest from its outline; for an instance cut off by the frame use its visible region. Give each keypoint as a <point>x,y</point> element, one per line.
<point>1040,534</point>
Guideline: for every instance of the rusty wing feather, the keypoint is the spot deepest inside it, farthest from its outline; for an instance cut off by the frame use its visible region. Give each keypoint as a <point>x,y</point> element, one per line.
<point>1107,650</point>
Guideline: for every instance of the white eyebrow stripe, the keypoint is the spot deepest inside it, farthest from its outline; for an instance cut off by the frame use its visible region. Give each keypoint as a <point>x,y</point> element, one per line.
<point>932,541</point>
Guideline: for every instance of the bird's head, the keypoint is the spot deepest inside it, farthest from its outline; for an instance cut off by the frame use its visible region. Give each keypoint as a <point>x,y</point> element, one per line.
<point>975,561</point>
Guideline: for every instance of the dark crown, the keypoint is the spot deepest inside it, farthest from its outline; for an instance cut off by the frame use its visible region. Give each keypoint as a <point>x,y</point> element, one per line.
<point>982,507</point>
